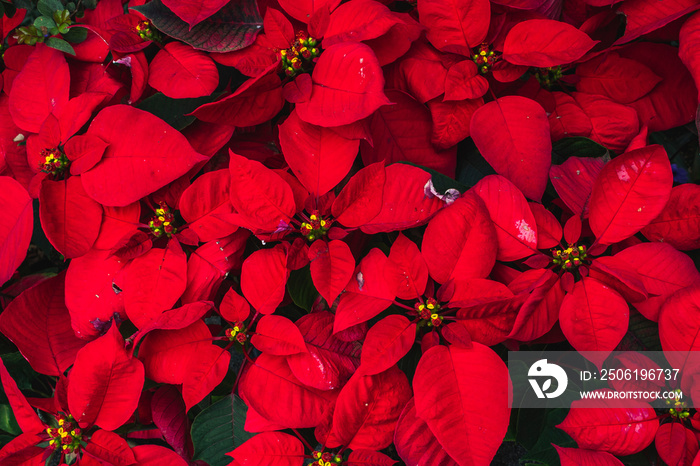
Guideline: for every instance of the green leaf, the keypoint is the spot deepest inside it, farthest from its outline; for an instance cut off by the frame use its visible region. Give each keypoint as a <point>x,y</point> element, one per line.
<point>8,423</point>
<point>543,452</point>
<point>218,430</point>
<point>441,182</point>
<point>75,35</point>
<point>471,165</point>
<point>60,44</point>
<point>576,147</point>
<point>49,7</point>
<point>44,21</point>
<point>642,334</point>
<point>301,288</point>
<point>173,111</point>
<point>233,27</point>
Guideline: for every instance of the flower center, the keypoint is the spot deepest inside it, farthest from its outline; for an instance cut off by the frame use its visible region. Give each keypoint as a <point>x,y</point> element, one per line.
<point>548,77</point>
<point>162,222</point>
<point>428,312</point>
<point>679,409</point>
<point>485,58</point>
<point>326,458</point>
<point>145,32</point>
<point>67,436</point>
<point>237,333</point>
<point>569,258</point>
<point>55,162</point>
<point>316,227</point>
<point>299,57</point>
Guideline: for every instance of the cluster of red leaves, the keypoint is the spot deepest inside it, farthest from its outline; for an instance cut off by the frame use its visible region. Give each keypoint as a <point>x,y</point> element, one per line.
<point>185,241</point>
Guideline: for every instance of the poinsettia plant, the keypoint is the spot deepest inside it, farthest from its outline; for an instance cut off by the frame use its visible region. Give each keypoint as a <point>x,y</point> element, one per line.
<point>274,232</point>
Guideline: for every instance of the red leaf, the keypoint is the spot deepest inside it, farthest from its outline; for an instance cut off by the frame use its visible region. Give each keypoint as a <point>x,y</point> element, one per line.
<point>679,221</point>
<point>37,93</point>
<point>455,26</point>
<point>320,158</point>
<point>37,321</point>
<point>234,307</point>
<point>673,102</point>
<point>278,335</point>
<point>644,16</point>
<point>387,341</point>
<point>573,180</point>
<point>451,121</point>
<point>404,202</point>
<point>549,229</point>
<point>368,408</point>
<point>25,415</point>
<point>370,291</point>
<point>155,455</point>
<point>368,458</point>
<point>512,133</point>
<point>265,295</point>
<point>679,324</point>
<point>105,384</point>
<point>181,72</point>
<point>516,228</point>
<point>202,203</point>
<point>412,269</point>
<point>621,79</point>
<point>663,271</point>
<point>210,263</point>
<point>70,218</point>
<point>689,40</point>
<point>117,222</point>
<point>206,371</point>
<point>170,416</point>
<point>629,193</point>
<point>92,297</point>
<point>138,165</point>
<point>174,319</point>
<point>254,102</point>
<point>16,227</point>
<point>331,267</point>
<point>460,241</point>
<point>278,29</point>
<point>545,42</point>
<point>84,151</point>
<point>600,424</point>
<point>402,132</point>
<point>168,355</point>
<point>361,199</point>
<point>330,361</point>
<point>415,442</point>
<point>110,447</point>
<point>452,408</point>
<point>676,444</point>
<point>298,90</point>
<point>348,86</point>
<point>152,283</point>
<point>594,318</point>
<point>270,448</point>
<point>23,450</point>
<point>270,388</point>
<point>579,457</point>
<point>194,11</point>
<point>463,81</point>
<point>260,195</point>
<point>358,21</point>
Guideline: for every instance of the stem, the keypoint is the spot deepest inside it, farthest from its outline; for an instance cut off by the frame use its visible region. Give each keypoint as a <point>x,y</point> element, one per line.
<point>302,439</point>
<point>403,306</point>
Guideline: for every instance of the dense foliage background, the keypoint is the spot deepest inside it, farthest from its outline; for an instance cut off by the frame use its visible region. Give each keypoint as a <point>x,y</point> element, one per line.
<point>283,232</point>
